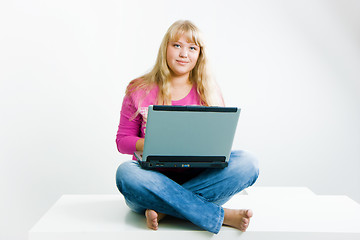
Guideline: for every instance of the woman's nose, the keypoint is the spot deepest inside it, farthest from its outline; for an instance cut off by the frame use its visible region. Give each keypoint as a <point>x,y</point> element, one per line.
<point>183,52</point>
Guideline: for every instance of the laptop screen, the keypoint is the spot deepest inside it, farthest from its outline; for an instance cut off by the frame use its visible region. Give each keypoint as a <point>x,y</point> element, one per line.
<point>198,131</point>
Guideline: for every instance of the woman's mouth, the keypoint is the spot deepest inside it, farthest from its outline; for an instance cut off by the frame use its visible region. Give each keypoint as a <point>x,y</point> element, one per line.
<point>181,62</point>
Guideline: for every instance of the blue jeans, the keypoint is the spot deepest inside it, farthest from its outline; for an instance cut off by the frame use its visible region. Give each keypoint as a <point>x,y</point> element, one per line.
<point>195,195</point>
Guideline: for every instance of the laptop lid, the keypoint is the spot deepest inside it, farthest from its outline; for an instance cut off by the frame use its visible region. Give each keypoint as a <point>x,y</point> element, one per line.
<point>189,134</point>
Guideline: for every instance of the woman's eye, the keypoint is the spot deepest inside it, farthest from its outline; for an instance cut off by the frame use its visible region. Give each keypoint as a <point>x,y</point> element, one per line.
<point>193,48</point>
<point>177,45</point>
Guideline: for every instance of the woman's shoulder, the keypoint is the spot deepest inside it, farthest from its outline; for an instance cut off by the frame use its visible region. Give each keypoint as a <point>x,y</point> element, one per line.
<point>215,94</point>
<point>140,91</point>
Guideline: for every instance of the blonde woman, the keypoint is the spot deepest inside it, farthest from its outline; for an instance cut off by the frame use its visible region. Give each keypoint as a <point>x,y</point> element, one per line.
<point>179,77</point>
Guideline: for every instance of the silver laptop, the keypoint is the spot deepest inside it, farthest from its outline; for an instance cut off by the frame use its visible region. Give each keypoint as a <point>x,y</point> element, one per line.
<point>188,136</point>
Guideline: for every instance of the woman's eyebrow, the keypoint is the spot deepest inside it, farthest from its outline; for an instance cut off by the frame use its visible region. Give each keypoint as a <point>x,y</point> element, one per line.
<point>182,43</point>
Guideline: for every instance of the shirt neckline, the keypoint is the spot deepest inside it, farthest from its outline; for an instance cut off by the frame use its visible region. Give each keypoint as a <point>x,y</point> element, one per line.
<point>187,95</point>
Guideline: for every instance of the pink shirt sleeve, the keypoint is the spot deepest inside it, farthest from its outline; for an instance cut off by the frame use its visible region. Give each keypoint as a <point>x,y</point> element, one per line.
<point>129,127</point>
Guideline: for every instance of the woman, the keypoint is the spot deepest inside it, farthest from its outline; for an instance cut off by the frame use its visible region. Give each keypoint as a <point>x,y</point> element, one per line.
<point>179,77</point>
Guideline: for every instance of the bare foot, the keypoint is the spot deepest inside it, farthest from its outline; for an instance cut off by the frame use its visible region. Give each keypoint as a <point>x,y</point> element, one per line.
<point>237,218</point>
<point>153,218</point>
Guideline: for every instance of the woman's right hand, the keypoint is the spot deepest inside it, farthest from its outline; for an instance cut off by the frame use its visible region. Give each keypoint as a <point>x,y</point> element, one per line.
<point>140,144</point>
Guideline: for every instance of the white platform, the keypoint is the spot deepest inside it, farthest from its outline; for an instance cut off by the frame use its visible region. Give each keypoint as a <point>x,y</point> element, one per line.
<point>279,213</point>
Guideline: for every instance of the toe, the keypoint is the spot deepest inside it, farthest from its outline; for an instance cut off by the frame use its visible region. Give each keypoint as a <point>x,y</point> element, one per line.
<point>249,213</point>
<point>244,227</point>
<point>153,225</point>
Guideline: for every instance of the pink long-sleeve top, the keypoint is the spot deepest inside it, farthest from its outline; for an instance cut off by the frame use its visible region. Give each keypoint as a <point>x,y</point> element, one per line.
<point>132,127</point>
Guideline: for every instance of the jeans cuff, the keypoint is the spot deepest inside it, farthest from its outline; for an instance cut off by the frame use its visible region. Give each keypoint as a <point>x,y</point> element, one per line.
<point>220,221</point>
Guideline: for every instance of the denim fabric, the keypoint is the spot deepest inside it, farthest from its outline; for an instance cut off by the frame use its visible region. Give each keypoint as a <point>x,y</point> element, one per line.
<point>196,195</point>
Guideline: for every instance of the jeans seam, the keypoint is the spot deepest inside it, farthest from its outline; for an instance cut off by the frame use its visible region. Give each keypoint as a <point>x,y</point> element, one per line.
<point>220,221</point>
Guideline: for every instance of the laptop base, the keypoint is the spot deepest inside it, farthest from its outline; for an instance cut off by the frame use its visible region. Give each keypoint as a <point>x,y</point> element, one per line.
<point>181,161</point>
<point>157,164</point>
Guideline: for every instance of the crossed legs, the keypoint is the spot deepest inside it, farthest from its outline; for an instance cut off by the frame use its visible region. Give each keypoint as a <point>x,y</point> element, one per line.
<point>156,195</point>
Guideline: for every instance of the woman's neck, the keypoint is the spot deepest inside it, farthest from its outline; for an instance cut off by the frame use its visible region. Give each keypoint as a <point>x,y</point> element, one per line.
<point>180,81</point>
<point>179,88</point>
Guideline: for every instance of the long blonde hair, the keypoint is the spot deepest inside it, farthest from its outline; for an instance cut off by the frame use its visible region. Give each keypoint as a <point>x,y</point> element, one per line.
<point>160,75</point>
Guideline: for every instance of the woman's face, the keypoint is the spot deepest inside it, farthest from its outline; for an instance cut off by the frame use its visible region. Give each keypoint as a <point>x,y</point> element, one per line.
<point>182,56</point>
